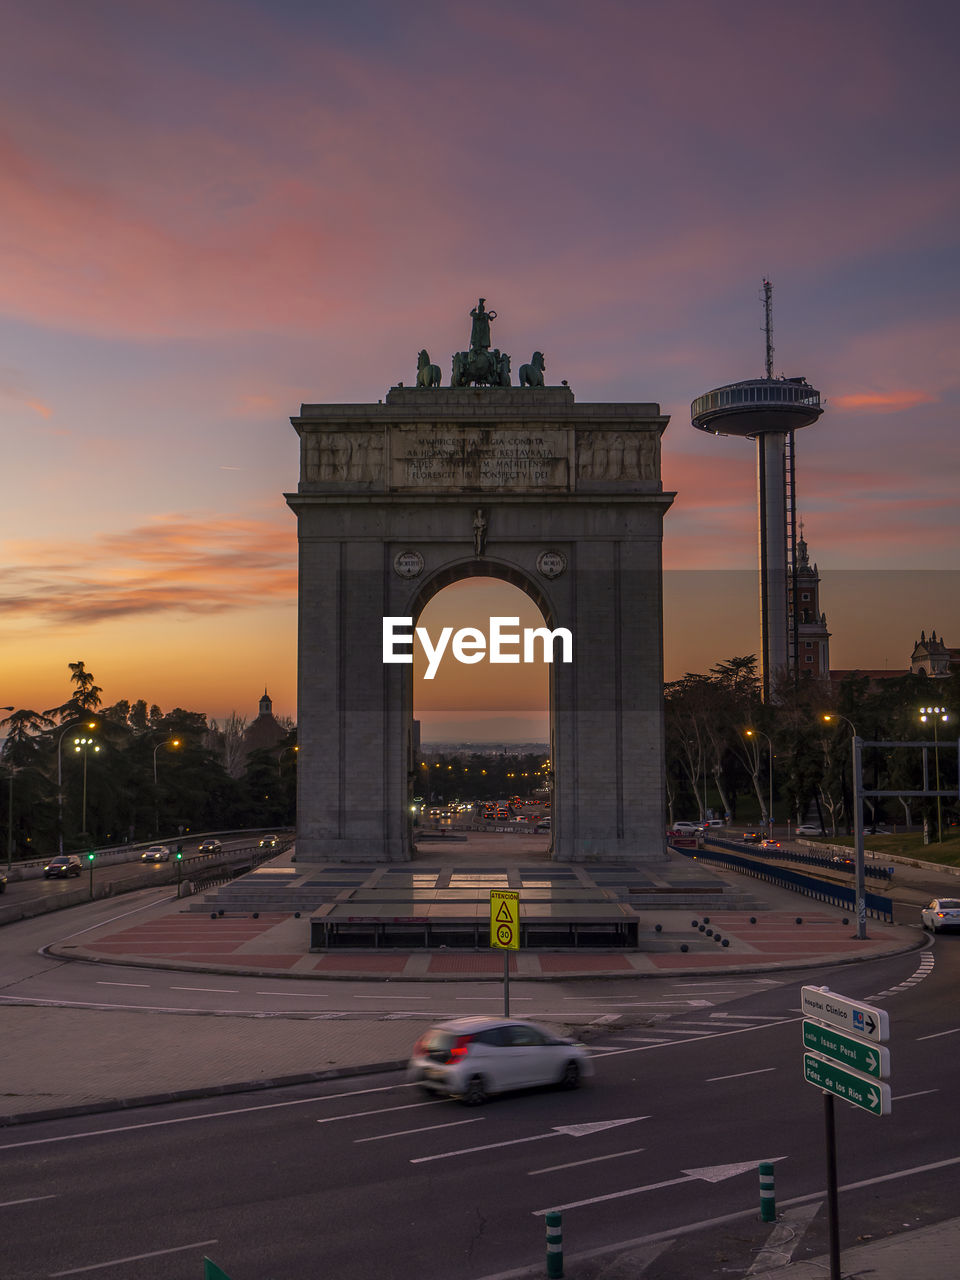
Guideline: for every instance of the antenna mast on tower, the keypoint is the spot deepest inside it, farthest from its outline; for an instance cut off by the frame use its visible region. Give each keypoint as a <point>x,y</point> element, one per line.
<point>768,323</point>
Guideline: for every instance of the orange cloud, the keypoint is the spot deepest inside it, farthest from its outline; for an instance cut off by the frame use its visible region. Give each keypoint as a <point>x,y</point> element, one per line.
<point>174,565</point>
<point>883,402</point>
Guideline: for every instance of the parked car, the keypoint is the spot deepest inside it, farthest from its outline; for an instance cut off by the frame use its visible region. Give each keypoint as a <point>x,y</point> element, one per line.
<point>67,864</point>
<point>472,1058</point>
<point>156,853</point>
<point>210,846</point>
<point>942,913</point>
<point>270,842</point>
<point>810,829</point>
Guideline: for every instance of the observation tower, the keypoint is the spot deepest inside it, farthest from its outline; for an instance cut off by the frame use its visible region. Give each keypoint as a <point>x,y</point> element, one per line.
<point>769,410</point>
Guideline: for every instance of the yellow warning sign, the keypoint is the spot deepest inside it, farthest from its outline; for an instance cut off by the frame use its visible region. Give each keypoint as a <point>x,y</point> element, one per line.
<point>505,919</point>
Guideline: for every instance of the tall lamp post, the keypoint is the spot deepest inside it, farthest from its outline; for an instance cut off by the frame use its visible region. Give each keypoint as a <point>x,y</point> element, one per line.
<point>89,724</point>
<point>938,715</point>
<point>82,746</point>
<point>750,733</point>
<point>170,742</point>
<point>857,769</point>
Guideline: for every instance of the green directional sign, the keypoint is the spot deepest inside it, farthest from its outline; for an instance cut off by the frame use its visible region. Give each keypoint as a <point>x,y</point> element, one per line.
<point>847,1051</point>
<point>861,1091</point>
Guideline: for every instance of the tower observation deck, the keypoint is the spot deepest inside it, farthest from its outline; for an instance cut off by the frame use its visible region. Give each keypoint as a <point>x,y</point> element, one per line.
<point>768,410</point>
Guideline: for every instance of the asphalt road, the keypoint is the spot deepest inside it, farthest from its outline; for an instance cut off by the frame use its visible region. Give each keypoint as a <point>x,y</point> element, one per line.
<point>368,1178</point>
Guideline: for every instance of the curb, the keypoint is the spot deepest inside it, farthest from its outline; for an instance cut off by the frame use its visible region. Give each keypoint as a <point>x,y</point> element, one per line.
<point>777,966</point>
<point>208,1091</point>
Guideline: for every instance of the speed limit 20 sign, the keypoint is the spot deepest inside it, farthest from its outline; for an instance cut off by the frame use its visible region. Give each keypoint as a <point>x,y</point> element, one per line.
<point>505,919</point>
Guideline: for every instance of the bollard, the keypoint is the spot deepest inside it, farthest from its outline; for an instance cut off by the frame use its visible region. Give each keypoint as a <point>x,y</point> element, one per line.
<point>768,1199</point>
<point>554,1246</point>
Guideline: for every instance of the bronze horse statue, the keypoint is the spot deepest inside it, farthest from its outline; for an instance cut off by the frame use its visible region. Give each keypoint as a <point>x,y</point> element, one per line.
<point>428,375</point>
<point>531,375</point>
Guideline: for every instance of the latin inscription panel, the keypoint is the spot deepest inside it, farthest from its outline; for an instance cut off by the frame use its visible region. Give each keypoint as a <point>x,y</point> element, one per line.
<point>440,457</point>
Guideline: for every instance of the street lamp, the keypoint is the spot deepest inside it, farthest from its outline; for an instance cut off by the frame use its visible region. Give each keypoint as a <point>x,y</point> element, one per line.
<point>749,733</point>
<point>89,724</point>
<point>856,765</point>
<point>82,746</point>
<point>937,715</point>
<point>169,742</point>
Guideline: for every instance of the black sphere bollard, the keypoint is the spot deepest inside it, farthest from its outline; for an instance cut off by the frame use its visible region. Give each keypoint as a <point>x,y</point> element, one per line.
<point>706,919</point>
<point>220,912</point>
<point>684,947</point>
<point>694,924</point>
<point>799,919</point>
<point>846,919</point>
<point>726,942</point>
<point>658,928</point>
<point>213,915</point>
<point>296,915</point>
<point>709,933</point>
<point>753,919</point>
<point>256,915</point>
<point>702,928</point>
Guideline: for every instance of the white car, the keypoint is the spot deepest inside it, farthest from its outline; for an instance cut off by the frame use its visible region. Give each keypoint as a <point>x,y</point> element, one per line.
<point>942,913</point>
<point>688,828</point>
<point>810,829</point>
<point>472,1058</point>
<point>156,853</point>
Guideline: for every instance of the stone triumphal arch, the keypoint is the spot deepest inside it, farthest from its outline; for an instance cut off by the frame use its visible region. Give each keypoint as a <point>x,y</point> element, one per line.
<point>397,500</point>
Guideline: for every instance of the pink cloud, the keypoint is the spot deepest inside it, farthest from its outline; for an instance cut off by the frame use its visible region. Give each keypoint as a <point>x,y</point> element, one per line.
<point>174,565</point>
<point>883,402</point>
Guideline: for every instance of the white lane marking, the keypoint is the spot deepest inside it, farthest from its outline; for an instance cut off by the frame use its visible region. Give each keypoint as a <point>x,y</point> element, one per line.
<point>490,1146</point>
<point>783,1239</point>
<point>749,1017</point>
<point>937,1034</point>
<point>922,1093</point>
<point>26,1200</point>
<point>224,991</point>
<point>206,1115</point>
<point>290,995</point>
<point>359,997</point>
<point>640,1040</point>
<point>122,916</point>
<point>38,1002</point>
<point>693,1037</point>
<point>710,1173</point>
<point>134,1257</point>
<point>101,983</point>
<point>402,1133</point>
<point>614,1155</point>
<point>740,1074</point>
<point>407,1106</point>
<point>513,999</point>
<point>568,1130</point>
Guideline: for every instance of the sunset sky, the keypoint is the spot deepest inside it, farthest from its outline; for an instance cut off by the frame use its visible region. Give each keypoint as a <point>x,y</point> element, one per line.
<point>216,210</point>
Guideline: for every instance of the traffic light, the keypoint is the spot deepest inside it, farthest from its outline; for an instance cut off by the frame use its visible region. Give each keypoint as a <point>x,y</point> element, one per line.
<point>179,854</point>
<point>91,855</point>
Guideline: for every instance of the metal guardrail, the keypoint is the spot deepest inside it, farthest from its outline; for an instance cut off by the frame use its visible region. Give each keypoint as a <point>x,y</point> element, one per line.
<point>837,895</point>
<point>833,862</point>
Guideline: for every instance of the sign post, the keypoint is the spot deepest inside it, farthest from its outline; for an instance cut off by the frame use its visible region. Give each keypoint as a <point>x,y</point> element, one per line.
<point>845,1061</point>
<point>505,932</point>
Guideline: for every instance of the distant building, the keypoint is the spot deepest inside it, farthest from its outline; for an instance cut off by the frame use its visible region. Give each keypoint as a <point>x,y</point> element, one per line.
<point>264,733</point>
<point>808,624</point>
<point>930,657</point>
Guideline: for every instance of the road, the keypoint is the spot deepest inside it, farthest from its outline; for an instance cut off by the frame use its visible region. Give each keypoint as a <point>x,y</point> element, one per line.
<point>369,1178</point>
